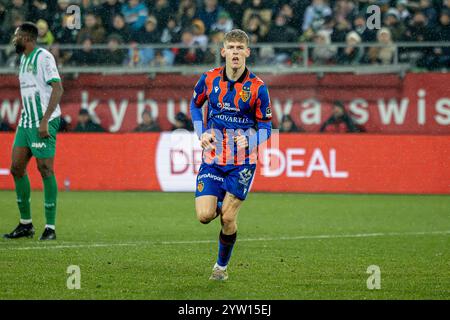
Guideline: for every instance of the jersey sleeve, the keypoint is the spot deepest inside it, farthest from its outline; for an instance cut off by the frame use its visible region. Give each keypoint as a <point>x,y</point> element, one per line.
<point>263,107</point>
<point>199,95</point>
<point>263,115</point>
<point>49,69</point>
<point>197,101</point>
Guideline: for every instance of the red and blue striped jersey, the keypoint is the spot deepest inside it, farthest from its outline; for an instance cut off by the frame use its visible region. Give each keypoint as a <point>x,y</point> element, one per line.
<point>241,104</point>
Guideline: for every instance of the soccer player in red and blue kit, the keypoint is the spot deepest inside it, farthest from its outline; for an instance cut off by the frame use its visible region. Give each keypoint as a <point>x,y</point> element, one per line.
<point>236,120</point>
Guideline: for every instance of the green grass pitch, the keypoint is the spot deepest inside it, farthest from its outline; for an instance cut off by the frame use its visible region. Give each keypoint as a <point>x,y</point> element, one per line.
<point>142,245</point>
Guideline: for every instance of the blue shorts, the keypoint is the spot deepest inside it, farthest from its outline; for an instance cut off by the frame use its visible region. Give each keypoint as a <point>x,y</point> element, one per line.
<point>216,180</point>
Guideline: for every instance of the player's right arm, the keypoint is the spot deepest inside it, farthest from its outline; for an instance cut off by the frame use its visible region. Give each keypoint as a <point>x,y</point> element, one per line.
<point>52,78</point>
<point>198,99</point>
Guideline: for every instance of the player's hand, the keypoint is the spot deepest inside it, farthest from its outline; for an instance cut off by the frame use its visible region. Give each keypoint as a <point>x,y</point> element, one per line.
<point>241,141</point>
<point>207,141</point>
<point>43,129</point>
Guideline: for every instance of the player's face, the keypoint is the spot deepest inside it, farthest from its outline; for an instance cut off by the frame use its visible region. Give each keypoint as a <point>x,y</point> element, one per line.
<point>19,41</point>
<point>235,54</point>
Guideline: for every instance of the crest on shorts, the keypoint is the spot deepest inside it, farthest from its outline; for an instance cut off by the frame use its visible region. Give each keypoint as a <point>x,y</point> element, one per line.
<point>245,176</point>
<point>245,94</point>
<point>200,186</point>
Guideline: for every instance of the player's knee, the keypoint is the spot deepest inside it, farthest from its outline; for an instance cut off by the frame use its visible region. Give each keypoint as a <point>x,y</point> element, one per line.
<point>228,220</point>
<point>205,215</point>
<point>45,170</point>
<point>17,171</point>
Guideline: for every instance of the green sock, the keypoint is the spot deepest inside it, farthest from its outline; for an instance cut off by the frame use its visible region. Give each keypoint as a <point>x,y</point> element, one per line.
<point>50,194</point>
<point>23,192</point>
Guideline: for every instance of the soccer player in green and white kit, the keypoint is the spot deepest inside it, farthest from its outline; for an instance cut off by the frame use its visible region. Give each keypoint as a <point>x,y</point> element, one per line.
<point>41,91</point>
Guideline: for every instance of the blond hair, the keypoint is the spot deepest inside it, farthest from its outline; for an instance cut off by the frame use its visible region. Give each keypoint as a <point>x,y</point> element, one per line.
<point>236,35</point>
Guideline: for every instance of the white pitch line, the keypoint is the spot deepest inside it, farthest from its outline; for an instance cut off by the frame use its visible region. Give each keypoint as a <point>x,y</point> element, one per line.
<point>134,244</point>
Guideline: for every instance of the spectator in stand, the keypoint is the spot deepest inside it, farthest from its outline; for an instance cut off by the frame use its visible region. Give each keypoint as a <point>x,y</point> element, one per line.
<point>340,30</point>
<point>57,16</point>
<point>360,27</point>
<point>85,123</point>
<point>440,56</point>
<point>224,23</point>
<point>150,34</point>
<point>65,35</point>
<point>260,9</point>
<point>403,12</point>
<point>198,30</point>
<point>419,31</point>
<point>162,11</point>
<point>324,53</point>
<point>45,36</point>
<point>281,32</point>
<point>39,9</point>
<point>315,15</point>
<point>288,125</point>
<point>15,9</point>
<point>352,54</point>
<point>446,4</point>
<point>92,29</point>
<point>139,57</point>
<point>120,27</point>
<point>64,124</point>
<point>344,10</point>
<point>107,11</point>
<point>4,36</point>
<point>148,123</point>
<point>256,29</point>
<point>209,13</point>
<point>237,7</point>
<point>182,122</point>
<point>395,25</point>
<point>85,56</point>
<point>11,57</point>
<point>135,14</point>
<point>189,54</point>
<point>216,38</point>
<point>172,32</point>
<point>299,8</point>
<point>61,56</point>
<point>163,58</point>
<point>187,12</point>
<point>114,55</point>
<point>86,5</point>
<point>288,12</point>
<point>339,121</point>
<point>4,126</point>
<point>430,12</point>
<point>384,54</point>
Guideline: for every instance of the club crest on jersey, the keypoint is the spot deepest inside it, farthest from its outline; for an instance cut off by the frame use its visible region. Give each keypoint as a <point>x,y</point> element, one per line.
<point>200,186</point>
<point>216,88</point>
<point>245,94</point>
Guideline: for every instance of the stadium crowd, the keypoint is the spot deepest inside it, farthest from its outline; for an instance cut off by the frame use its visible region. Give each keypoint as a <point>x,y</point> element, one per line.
<point>203,22</point>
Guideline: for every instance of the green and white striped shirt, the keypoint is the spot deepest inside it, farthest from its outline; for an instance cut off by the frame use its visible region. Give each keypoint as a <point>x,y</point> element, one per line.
<point>37,71</point>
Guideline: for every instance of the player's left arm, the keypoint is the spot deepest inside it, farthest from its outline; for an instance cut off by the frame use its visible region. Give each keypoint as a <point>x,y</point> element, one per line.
<point>263,111</point>
<point>52,78</point>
